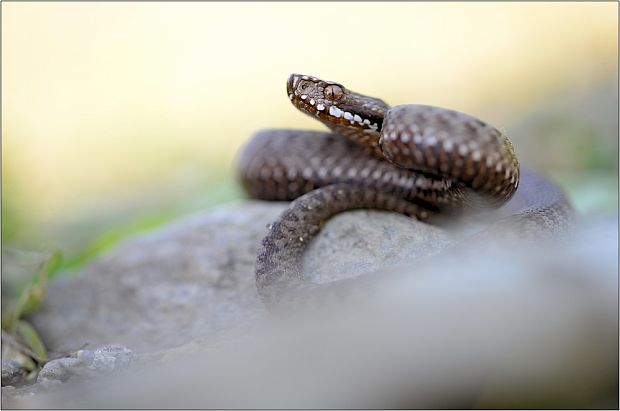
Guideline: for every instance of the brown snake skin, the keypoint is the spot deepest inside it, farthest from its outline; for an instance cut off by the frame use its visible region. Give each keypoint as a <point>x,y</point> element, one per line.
<point>423,161</point>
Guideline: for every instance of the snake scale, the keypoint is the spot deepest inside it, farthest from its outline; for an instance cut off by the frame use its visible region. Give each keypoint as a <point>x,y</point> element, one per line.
<point>422,161</point>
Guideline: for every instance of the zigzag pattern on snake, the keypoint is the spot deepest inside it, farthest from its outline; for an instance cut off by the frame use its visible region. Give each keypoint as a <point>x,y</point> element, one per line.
<point>422,161</point>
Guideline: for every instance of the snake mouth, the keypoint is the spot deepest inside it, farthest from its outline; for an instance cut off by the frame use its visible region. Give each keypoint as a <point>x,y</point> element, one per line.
<point>333,104</point>
<point>333,115</point>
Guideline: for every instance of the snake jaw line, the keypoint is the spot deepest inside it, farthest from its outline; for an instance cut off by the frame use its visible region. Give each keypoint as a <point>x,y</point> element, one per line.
<point>329,100</point>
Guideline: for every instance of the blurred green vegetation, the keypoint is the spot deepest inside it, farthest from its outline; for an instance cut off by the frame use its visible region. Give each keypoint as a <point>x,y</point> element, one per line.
<point>90,236</point>
<point>592,194</point>
<point>223,192</point>
<point>21,341</point>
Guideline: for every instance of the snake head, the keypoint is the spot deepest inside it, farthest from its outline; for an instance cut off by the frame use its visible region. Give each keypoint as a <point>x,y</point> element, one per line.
<point>335,105</point>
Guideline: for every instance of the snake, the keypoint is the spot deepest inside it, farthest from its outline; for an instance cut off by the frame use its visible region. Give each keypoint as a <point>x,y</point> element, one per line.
<point>427,162</point>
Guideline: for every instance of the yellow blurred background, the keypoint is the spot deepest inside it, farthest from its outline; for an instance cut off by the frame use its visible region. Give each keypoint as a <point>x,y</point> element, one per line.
<point>123,112</point>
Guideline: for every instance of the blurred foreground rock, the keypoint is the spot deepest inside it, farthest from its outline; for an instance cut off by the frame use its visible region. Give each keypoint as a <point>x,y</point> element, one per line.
<point>521,328</point>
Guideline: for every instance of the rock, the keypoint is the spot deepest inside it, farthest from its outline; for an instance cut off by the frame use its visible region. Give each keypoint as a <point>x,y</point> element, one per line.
<point>111,357</point>
<point>86,356</point>
<point>12,372</point>
<point>524,328</point>
<point>60,369</point>
<point>196,276</point>
<point>87,363</point>
<point>17,397</point>
<point>362,241</point>
<point>187,279</point>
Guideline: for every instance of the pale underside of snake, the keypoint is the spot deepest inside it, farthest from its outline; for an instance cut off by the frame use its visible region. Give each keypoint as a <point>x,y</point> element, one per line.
<point>423,161</point>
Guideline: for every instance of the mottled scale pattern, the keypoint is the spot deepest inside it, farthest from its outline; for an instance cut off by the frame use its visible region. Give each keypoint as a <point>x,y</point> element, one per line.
<point>285,164</point>
<point>423,161</point>
<point>454,145</point>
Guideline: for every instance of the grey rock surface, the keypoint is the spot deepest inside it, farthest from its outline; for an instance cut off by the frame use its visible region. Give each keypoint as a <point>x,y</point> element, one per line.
<point>110,357</point>
<point>61,369</point>
<point>87,363</point>
<point>195,277</point>
<point>363,241</point>
<point>12,372</point>
<point>529,327</point>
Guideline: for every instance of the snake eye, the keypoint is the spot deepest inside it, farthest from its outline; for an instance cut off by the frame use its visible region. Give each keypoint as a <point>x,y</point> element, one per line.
<point>333,92</point>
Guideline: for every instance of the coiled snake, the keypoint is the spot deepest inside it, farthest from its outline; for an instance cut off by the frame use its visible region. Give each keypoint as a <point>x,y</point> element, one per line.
<point>419,160</point>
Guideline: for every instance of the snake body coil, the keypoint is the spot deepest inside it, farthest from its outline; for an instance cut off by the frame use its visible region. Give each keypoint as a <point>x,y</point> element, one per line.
<point>418,160</point>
